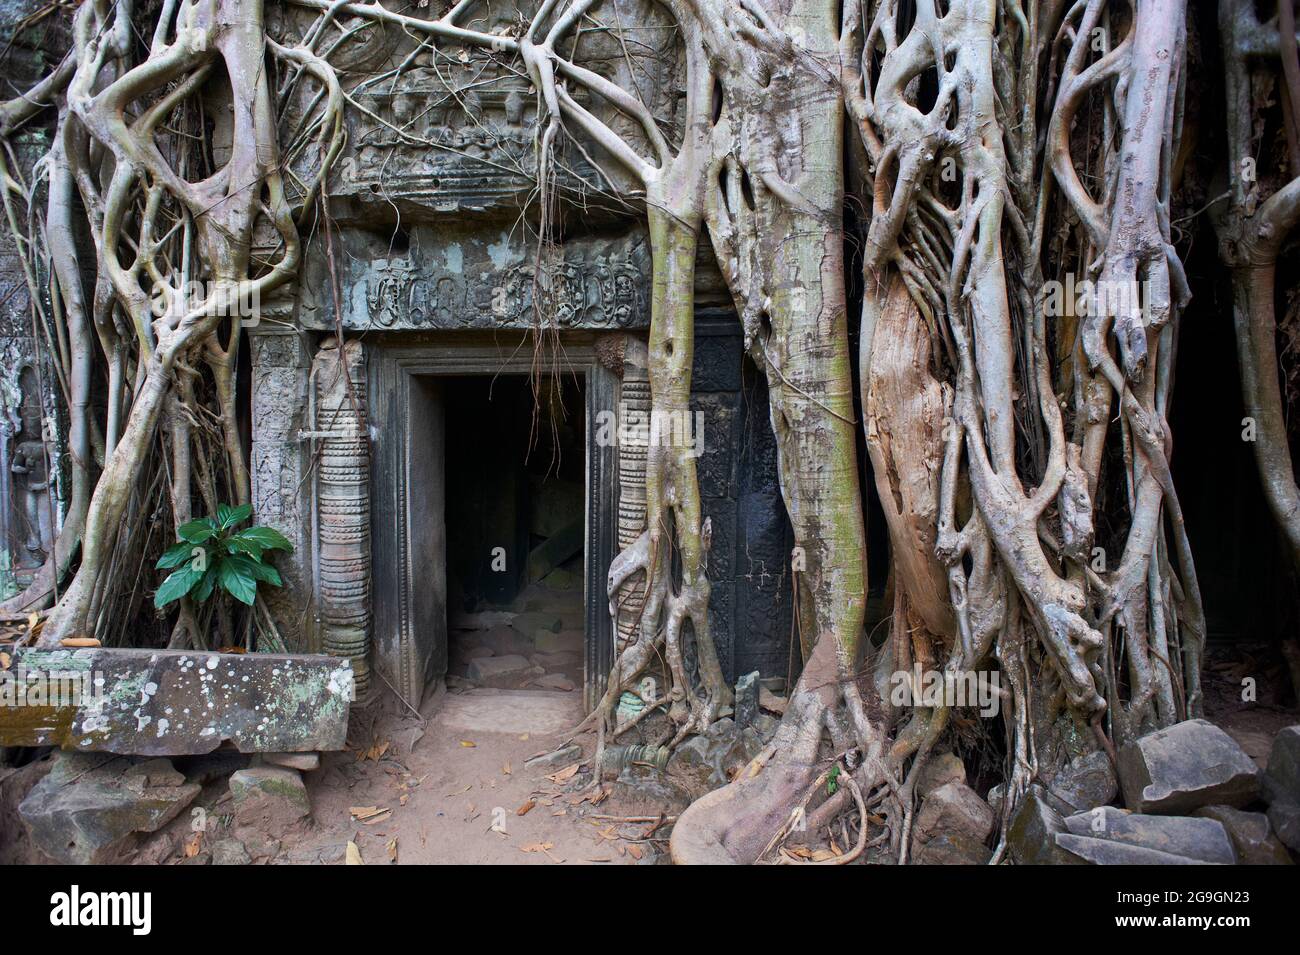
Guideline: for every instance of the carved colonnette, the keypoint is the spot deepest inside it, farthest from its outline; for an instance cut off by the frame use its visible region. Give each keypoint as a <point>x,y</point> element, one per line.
<point>339,432</point>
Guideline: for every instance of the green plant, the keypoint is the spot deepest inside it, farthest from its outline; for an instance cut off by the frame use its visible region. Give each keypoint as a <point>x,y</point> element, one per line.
<point>212,554</point>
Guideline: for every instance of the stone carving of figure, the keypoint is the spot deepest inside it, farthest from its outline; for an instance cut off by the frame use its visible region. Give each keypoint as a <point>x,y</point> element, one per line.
<point>30,467</point>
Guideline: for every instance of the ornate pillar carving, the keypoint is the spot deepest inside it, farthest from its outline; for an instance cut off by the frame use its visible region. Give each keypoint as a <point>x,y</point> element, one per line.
<point>342,515</point>
<point>633,441</point>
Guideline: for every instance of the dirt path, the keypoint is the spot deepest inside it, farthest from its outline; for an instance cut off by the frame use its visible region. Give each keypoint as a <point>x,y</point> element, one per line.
<point>450,794</point>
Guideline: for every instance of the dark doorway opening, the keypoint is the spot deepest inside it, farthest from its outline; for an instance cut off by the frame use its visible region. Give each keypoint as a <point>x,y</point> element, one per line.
<point>515,530</point>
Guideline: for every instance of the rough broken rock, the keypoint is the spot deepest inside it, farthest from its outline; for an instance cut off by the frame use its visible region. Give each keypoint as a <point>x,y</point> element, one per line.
<point>1087,782</point>
<point>1031,837</point>
<point>1282,778</point>
<point>90,807</point>
<point>303,762</point>
<point>939,770</point>
<point>504,673</point>
<point>953,848</point>
<point>565,641</point>
<point>1194,838</point>
<point>1105,852</point>
<point>954,807</point>
<point>230,852</point>
<point>270,799</point>
<point>746,705</point>
<point>1284,817</point>
<point>1186,766</point>
<point>1250,834</point>
<point>554,681</point>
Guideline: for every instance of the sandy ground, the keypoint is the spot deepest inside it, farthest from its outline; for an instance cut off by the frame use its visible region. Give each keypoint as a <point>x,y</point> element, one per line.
<point>455,789</point>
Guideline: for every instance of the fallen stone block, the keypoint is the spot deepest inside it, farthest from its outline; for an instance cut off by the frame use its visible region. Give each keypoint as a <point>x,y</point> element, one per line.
<point>176,703</point>
<point>746,704</point>
<point>230,852</point>
<point>1087,782</point>
<point>954,807</point>
<point>1251,835</point>
<point>940,770</point>
<point>953,848</point>
<point>88,810</point>
<point>1186,766</point>
<point>1203,840</point>
<point>1284,817</point>
<point>500,672</point>
<point>1031,837</point>
<point>1104,852</point>
<point>565,641</point>
<point>269,799</point>
<point>303,762</point>
<point>1282,778</point>
<point>554,681</point>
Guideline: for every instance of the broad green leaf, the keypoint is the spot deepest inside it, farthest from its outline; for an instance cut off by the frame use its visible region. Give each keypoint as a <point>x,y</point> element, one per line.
<point>177,585</point>
<point>242,545</point>
<point>229,516</point>
<point>175,555</point>
<point>268,538</point>
<point>197,530</point>
<point>203,589</point>
<point>236,582</point>
<point>257,570</point>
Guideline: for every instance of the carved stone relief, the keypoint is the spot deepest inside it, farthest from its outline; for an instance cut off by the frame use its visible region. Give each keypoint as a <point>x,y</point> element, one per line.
<point>339,431</point>
<point>480,280</point>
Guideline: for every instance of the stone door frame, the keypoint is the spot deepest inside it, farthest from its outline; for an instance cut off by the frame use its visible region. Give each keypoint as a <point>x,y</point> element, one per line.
<point>397,363</point>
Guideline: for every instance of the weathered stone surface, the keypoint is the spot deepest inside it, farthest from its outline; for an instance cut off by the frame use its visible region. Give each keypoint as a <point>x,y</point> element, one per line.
<point>230,852</point>
<point>503,641</point>
<point>535,623</point>
<point>511,711</point>
<point>171,703</point>
<point>772,702</point>
<point>953,848</point>
<point>303,762</point>
<point>1284,817</point>
<point>1204,840</point>
<point>554,681</point>
<point>1282,779</point>
<point>501,672</point>
<point>87,810</point>
<point>1087,782</point>
<point>746,705</point>
<point>939,770</point>
<point>15,784</point>
<point>566,641</point>
<point>269,799</point>
<point>1104,852</point>
<point>1250,834</point>
<point>954,807</point>
<point>1186,766</point>
<point>1031,837</point>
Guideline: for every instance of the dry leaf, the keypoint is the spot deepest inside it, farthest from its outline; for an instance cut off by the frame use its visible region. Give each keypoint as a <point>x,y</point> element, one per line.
<point>5,660</point>
<point>506,769</point>
<point>192,845</point>
<point>369,814</point>
<point>635,851</point>
<point>537,847</point>
<point>525,808</point>
<point>78,642</point>
<point>565,774</point>
<point>354,854</point>
<point>468,744</point>
<point>392,850</point>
